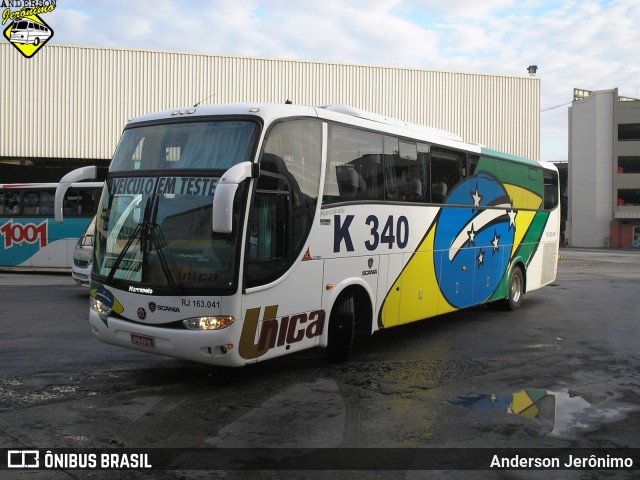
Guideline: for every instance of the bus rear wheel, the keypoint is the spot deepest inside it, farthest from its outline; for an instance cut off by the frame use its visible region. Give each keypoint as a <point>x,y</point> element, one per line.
<point>516,289</point>
<point>341,330</point>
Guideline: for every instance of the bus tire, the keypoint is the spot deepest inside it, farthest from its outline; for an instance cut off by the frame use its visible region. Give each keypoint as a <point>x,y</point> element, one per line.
<point>516,289</point>
<point>341,330</point>
<point>36,41</point>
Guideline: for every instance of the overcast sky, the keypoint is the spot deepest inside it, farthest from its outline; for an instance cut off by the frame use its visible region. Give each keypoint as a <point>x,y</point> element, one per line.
<point>585,44</point>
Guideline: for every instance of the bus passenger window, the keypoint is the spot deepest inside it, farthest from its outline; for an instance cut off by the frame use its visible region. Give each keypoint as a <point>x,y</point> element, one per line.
<point>349,181</point>
<point>31,203</point>
<point>46,203</point>
<point>354,166</point>
<point>405,172</point>
<point>12,203</point>
<point>447,171</point>
<point>425,160</point>
<point>550,190</point>
<point>88,201</point>
<point>472,161</point>
<point>70,204</point>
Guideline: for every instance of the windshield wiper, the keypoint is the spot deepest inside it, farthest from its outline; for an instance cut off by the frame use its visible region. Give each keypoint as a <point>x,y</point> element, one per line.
<point>114,267</point>
<point>151,239</point>
<point>154,239</point>
<point>159,242</point>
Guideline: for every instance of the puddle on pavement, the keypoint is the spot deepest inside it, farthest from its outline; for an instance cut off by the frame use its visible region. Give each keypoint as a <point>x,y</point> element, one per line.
<point>567,412</point>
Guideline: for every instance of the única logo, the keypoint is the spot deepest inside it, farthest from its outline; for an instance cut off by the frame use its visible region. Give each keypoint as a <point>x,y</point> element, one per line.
<point>26,30</point>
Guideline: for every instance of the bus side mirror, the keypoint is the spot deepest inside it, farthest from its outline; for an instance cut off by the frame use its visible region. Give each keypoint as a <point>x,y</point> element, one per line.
<point>225,192</point>
<point>83,173</point>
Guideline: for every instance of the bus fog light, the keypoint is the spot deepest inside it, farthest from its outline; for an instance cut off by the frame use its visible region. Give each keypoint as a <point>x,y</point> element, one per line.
<point>208,323</point>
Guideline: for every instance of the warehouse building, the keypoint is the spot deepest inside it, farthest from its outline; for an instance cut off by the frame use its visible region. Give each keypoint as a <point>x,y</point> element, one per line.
<point>604,170</point>
<point>66,106</point>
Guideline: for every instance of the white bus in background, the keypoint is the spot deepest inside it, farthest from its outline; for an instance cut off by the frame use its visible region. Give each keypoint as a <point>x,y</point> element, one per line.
<point>29,31</point>
<point>83,257</point>
<point>231,234</point>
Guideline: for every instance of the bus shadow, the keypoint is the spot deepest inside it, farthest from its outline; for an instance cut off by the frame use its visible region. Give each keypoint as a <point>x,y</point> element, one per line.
<point>427,337</point>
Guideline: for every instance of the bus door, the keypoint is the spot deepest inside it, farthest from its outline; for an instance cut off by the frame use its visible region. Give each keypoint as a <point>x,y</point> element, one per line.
<point>283,282</point>
<point>280,314</point>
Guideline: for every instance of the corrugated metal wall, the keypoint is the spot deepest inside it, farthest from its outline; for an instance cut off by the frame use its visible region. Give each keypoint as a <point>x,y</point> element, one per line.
<point>72,102</point>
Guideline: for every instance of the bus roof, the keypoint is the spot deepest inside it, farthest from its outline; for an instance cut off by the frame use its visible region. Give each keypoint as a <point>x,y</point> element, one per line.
<point>507,156</point>
<point>43,186</point>
<point>269,112</point>
<point>516,158</point>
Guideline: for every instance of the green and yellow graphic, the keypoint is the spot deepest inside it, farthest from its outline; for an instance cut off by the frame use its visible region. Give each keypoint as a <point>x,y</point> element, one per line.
<point>465,258</point>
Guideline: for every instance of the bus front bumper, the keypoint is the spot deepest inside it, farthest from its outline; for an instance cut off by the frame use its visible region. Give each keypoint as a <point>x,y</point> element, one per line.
<point>212,347</point>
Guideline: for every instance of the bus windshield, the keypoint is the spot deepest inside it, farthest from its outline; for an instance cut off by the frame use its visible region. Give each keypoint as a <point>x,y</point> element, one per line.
<point>154,223</point>
<point>193,145</point>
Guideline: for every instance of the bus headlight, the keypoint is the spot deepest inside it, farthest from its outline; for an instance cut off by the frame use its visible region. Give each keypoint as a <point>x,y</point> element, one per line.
<point>102,309</point>
<point>208,323</point>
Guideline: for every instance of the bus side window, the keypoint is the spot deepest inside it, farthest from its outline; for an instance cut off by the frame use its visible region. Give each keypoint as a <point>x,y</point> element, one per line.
<point>550,189</point>
<point>70,204</point>
<point>31,203</point>
<point>88,201</point>
<point>405,172</point>
<point>293,150</point>
<point>472,162</point>
<point>355,168</point>
<point>269,241</point>
<point>447,170</point>
<point>12,203</point>
<point>46,203</point>
<point>424,159</point>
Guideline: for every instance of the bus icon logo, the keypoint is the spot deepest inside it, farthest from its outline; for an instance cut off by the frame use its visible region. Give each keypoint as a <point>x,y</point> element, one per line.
<point>23,459</point>
<point>28,34</point>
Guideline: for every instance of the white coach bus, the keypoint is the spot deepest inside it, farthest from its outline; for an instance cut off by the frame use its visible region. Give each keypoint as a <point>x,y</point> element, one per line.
<point>231,234</point>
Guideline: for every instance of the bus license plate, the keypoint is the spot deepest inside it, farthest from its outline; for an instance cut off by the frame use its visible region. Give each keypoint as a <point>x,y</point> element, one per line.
<point>141,340</point>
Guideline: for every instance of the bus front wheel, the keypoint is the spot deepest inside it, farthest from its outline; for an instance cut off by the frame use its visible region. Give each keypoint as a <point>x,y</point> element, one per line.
<point>341,330</point>
<point>516,289</point>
